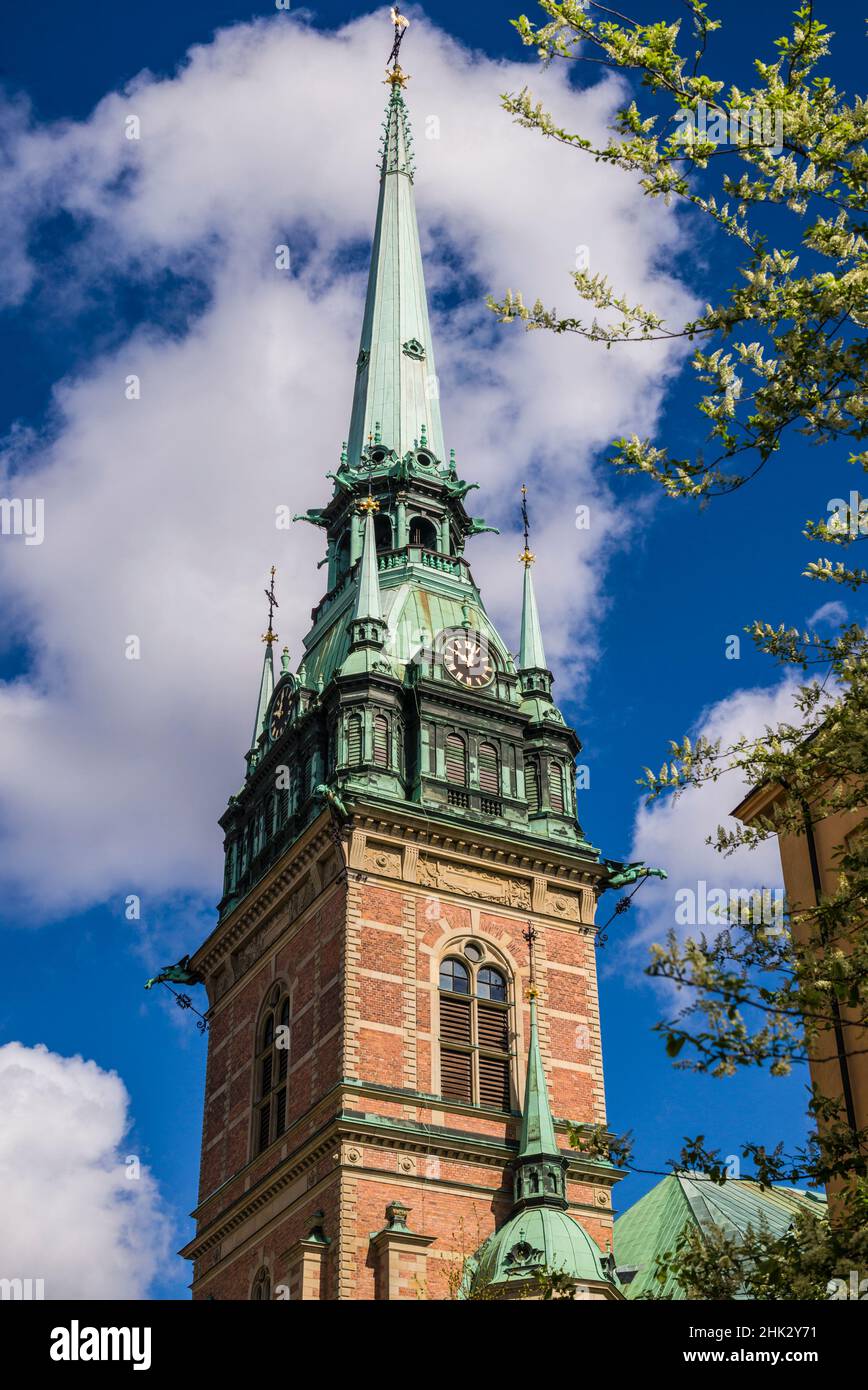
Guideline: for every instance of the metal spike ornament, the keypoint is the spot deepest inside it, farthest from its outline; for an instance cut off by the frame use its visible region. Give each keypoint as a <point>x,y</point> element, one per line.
<point>394,76</point>
<point>530,937</point>
<point>369,503</point>
<point>527,556</point>
<point>270,636</point>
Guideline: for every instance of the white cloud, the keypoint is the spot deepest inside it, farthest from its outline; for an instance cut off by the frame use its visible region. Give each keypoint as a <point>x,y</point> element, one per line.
<point>671,834</point>
<point>159,513</point>
<point>834,613</point>
<point>69,1214</point>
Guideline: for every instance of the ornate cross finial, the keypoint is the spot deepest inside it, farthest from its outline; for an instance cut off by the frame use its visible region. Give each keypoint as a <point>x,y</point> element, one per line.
<point>530,937</point>
<point>394,76</point>
<point>369,503</point>
<point>527,556</point>
<point>270,636</point>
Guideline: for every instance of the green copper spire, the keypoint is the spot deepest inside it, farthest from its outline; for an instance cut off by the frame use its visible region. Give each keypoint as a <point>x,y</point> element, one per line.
<point>266,682</point>
<point>367,627</point>
<point>395,395</point>
<point>539,1234</point>
<point>534,676</point>
<point>368,596</point>
<point>540,1167</point>
<point>266,690</point>
<point>531,655</point>
<point>537,1126</point>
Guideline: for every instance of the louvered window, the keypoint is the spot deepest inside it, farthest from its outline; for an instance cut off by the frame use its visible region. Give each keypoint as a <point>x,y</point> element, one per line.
<point>280,1113</point>
<point>456,760</point>
<point>266,1074</point>
<point>272,1071</point>
<point>264,1124</point>
<point>492,1028</point>
<point>282,1042</point>
<point>381,741</point>
<point>556,788</point>
<point>354,740</point>
<point>474,1034</point>
<point>494,1082</point>
<point>456,1076</point>
<point>531,788</point>
<point>489,779</point>
<point>455,1020</point>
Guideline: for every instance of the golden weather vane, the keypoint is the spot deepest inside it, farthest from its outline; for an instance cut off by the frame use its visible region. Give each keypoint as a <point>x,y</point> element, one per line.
<point>530,937</point>
<point>527,556</point>
<point>394,75</point>
<point>270,636</point>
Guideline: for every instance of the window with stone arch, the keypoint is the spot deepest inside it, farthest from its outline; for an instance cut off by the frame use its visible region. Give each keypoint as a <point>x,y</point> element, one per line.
<point>271,1070</point>
<point>260,1291</point>
<point>475,1059</point>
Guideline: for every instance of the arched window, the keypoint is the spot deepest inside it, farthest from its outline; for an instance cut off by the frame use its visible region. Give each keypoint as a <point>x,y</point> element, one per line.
<point>455,977</point>
<point>490,984</point>
<point>456,760</point>
<point>282,794</point>
<point>302,780</point>
<point>381,741</point>
<point>272,1071</point>
<point>531,787</point>
<point>474,1032</point>
<point>423,532</point>
<point>342,557</point>
<point>556,788</point>
<point>354,740</point>
<point>489,771</point>
<point>231,866</point>
<point>382,531</point>
<point>261,1290</point>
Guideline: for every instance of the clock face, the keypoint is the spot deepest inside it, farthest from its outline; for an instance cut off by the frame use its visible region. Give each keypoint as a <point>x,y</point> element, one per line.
<point>280,713</point>
<point>466,658</point>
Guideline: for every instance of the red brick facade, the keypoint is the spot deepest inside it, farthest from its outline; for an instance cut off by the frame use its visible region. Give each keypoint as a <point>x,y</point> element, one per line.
<point>359,954</point>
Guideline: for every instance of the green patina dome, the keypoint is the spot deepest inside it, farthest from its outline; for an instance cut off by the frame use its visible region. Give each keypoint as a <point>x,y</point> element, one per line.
<point>539,1238</point>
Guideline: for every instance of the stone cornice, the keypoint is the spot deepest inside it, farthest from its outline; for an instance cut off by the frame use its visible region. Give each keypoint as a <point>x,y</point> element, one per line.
<point>508,850</point>
<point>430,832</point>
<point>265,897</point>
<point>348,1127</point>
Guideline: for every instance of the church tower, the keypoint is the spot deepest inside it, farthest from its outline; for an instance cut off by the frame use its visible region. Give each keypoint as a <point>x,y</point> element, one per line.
<point>384,1092</point>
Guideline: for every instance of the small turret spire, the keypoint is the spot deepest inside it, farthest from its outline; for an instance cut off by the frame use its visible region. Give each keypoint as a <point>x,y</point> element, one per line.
<point>368,628</point>
<point>539,1169</point>
<point>532,657</point>
<point>368,596</point>
<point>266,682</point>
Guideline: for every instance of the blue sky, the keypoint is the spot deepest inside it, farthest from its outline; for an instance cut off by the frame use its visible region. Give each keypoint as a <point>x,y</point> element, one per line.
<point>638,625</point>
